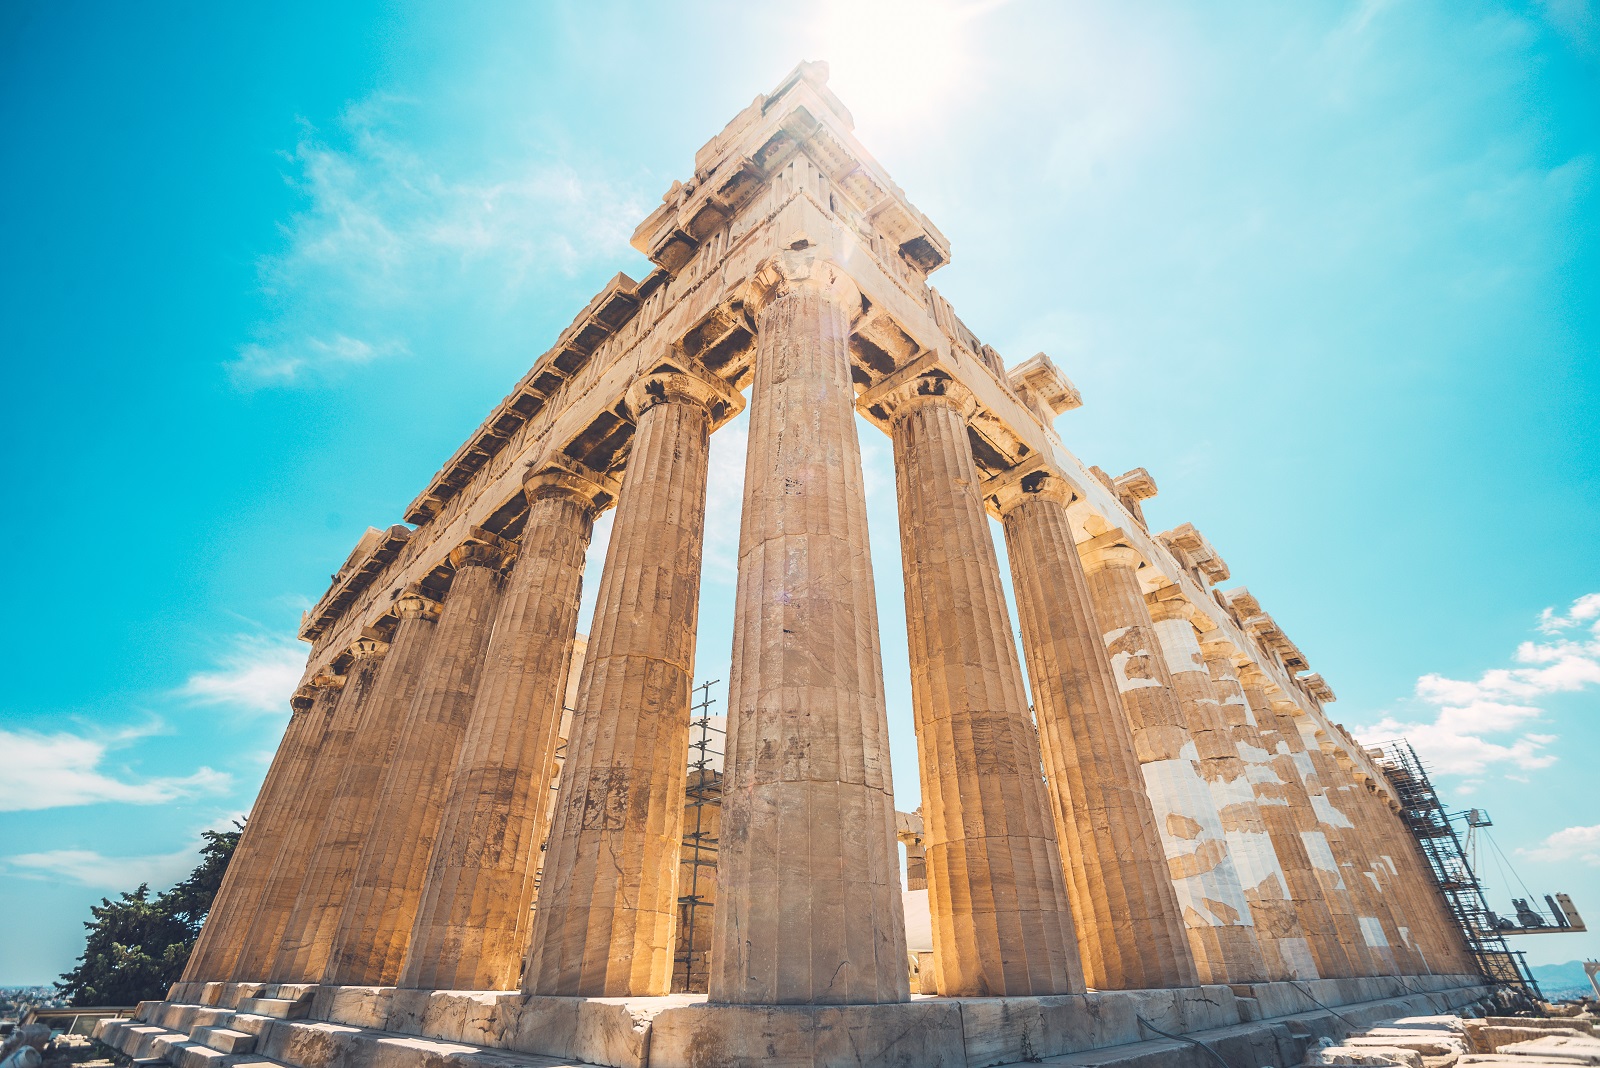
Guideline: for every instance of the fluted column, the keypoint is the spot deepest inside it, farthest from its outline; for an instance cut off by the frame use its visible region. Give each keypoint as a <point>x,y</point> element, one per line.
<point>1284,951</point>
<point>1323,784</point>
<point>375,926</point>
<point>1273,802</point>
<point>1434,933</point>
<point>226,931</point>
<point>1129,928</point>
<point>308,936</point>
<point>808,876</point>
<point>1378,867</point>
<point>1001,921</point>
<point>1282,739</point>
<point>472,926</point>
<point>1221,929</point>
<point>309,808</point>
<point>607,906</point>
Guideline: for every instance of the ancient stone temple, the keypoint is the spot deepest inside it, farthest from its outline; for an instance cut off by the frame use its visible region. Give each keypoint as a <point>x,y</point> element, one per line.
<point>469,844</point>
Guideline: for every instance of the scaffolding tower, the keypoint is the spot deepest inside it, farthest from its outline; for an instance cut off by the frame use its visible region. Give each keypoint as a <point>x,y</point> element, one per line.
<point>1425,817</point>
<point>702,810</point>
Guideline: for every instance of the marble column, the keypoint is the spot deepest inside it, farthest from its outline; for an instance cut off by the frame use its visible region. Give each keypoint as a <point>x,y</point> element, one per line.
<point>604,922</point>
<point>1130,931</point>
<point>472,926</point>
<point>370,942</point>
<point>1284,951</point>
<point>1295,770</point>
<point>1435,934</point>
<point>1380,868</point>
<point>1220,927</point>
<point>808,877</point>
<point>308,936</point>
<point>225,935</point>
<point>309,808</point>
<point>1274,801</point>
<point>1001,921</point>
<point>1323,783</point>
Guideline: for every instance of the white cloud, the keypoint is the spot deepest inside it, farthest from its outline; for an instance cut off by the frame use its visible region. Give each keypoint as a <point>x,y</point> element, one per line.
<point>1481,723</point>
<point>58,770</point>
<point>258,674</point>
<point>386,230</point>
<point>290,362</point>
<point>88,868</point>
<point>1573,843</point>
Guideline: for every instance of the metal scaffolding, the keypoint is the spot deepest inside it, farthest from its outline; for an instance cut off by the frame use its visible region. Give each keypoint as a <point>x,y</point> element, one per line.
<point>697,871</point>
<point>1425,817</point>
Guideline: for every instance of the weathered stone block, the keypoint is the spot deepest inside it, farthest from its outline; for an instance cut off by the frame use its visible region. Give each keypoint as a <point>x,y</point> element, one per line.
<point>925,1034</point>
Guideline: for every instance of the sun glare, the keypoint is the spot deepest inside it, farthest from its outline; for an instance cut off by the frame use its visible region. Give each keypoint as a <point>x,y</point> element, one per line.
<point>896,60</point>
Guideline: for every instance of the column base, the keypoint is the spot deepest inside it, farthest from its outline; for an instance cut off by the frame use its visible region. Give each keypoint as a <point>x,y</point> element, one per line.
<point>254,1025</point>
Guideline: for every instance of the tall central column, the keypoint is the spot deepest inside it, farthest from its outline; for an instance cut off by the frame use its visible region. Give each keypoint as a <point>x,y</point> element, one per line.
<point>1275,805</point>
<point>808,875</point>
<point>1001,921</point>
<point>375,926</point>
<point>606,909</point>
<point>1277,926</point>
<point>308,936</point>
<point>1130,931</point>
<point>1221,928</point>
<point>472,926</point>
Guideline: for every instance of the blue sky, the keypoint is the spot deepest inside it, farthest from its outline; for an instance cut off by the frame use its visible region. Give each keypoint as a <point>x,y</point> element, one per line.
<point>1330,271</point>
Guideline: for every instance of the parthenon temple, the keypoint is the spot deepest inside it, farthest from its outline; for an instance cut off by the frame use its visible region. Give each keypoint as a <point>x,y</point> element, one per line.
<point>469,848</point>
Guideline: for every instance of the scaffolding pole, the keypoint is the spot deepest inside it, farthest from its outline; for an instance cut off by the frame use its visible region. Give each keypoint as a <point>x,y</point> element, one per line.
<point>1425,817</point>
<point>698,858</point>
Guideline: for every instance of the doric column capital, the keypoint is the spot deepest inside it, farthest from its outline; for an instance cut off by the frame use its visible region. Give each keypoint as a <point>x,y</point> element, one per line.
<point>368,649</point>
<point>1213,646</point>
<point>796,269</point>
<point>1250,674</point>
<point>414,604</point>
<point>928,389</point>
<point>327,679</point>
<point>482,549</point>
<point>1034,486</point>
<point>1169,602</point>
<point>564,480</point>
<point>303,697</point>
<point>681,387</point>
<point>1110,549</point>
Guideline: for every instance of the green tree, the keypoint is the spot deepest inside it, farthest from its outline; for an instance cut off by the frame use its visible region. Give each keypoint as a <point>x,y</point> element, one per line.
<point>138,945</point>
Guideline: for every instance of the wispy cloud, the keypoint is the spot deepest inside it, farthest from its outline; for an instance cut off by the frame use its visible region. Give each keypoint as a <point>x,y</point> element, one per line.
<point>89,868</point>
<point>257,674</point>
<point>1483,723</point>
<point>292,361</point>
<point>59,770</point>
<point>387,227</point>
<point>1573,843</point>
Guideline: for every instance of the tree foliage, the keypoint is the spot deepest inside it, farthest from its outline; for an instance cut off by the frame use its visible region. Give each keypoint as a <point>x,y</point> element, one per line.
<point>138,945</point>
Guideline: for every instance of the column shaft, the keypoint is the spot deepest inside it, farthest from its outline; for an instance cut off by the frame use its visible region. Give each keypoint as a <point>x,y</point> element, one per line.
<point>308,936</point>
<point>808,880</point>
<point>225,935</point>
<point>1284,951</point>
<point>1001,921</point>
<point>1294,768</point>
<point>1272,795</point>
<point>1220,926</point>
<point>472,925</point>
<point>604,921</point>
<point>375,926</point>
<point>1129,928</point>
<point>310,810</point>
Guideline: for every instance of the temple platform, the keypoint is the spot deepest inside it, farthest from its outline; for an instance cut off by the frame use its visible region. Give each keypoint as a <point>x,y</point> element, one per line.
<point>253,1025</point>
